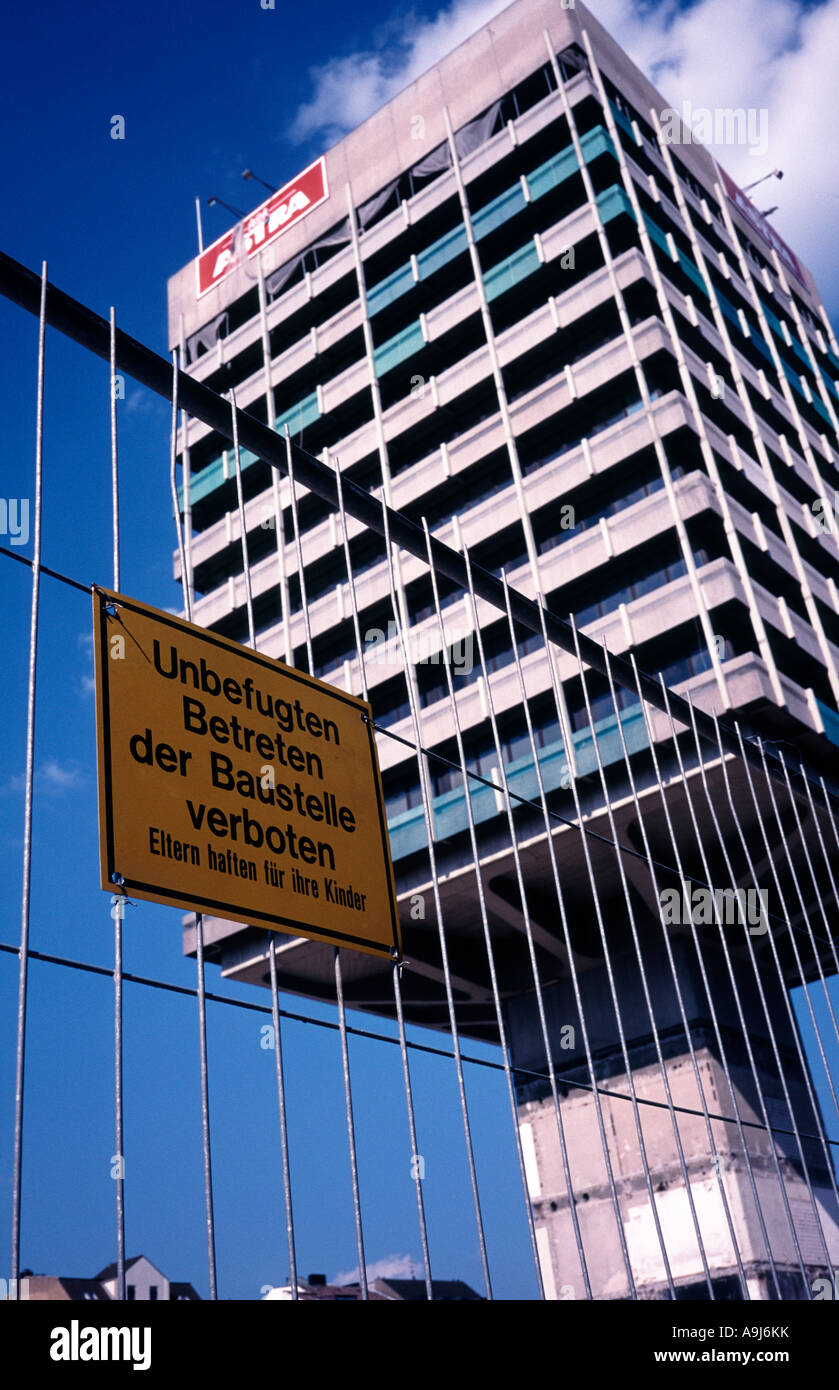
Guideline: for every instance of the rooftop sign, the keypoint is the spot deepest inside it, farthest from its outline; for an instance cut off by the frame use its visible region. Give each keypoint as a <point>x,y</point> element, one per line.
<point>762,226</point>
<point>273,217</point>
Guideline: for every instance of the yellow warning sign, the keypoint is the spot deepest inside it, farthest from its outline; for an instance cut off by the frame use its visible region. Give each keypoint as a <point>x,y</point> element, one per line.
<point>232,784</point>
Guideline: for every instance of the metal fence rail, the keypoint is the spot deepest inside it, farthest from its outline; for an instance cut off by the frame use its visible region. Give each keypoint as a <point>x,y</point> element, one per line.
<point>622,919</point>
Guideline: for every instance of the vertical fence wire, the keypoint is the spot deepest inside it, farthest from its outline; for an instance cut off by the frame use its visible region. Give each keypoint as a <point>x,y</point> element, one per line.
<point>482,908</point>
<point>753,1064</point>
<point>277,510</point>
<point>568,743</point>
<point>186,583</point>
<point>827,940</point>
<point>677,989</point>
<point>793,1028</point>
<point>528,927</point>
<point>396,973</point>
<point>805,781</point>
<point>272,949</point>
<point>26,888</point>
<point>829,810</point>
<point>298,549</point>
<point>771,860</point>
<point>799,965</point>
<point>243,528</point>
<point>118,907</point>
<point>416,1157</point>
<point>569,948</point>
<point>805,914</point>
<point>723,1054</point>
<point>282,577</point>
<point>701,961</point>
<point>428,816</point>
<point>185,541</point>
<point>642,970</point>
<point>339,983</point>
<point>281,1104</point>
<point>345,1067</point>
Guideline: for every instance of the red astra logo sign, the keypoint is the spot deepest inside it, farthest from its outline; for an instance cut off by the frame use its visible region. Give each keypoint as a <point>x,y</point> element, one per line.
<point>272,218</point>
<point>763,228</point>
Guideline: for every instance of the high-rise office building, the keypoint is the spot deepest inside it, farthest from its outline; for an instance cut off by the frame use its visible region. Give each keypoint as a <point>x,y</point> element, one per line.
<point>523,302</point>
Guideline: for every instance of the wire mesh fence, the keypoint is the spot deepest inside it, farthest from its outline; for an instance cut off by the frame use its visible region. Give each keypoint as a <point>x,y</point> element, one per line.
<point>616,902</point>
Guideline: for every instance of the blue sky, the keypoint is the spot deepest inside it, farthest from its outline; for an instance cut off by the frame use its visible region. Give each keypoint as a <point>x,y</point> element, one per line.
<point>206,91</point>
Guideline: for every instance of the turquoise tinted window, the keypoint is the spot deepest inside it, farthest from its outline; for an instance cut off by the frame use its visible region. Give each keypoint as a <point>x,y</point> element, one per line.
<point>441,252</point>
<point>390,289</point>
<point>397,349</point>
<point>511,271</point>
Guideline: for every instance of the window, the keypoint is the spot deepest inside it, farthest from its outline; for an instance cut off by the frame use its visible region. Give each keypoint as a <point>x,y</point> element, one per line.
<point>447,780</point>
<point>483,761</point>
<point>403,800</point>
<point>596,427</point>
<point>571,61</point>
<point>393,715</point>
<point>692,665</point>
<point>556,534</point>
<point>547,731</point>
<point>429,608</point>
<point>645,584</point>
<point>602,706</point>
<point>511,563</point>
<point>754,255</point>
<point>518,747</point>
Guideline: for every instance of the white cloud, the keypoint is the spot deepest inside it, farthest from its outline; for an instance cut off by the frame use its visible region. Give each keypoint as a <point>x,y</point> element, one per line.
<point>773,54</point>
<point>57,776</point>
<point>390,1267</point>
<point>50,775</point>
<point>347,90</point>
<point>87,683</point>
<point>142,402</point>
